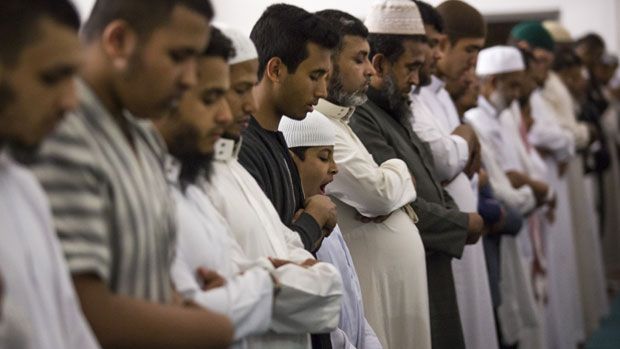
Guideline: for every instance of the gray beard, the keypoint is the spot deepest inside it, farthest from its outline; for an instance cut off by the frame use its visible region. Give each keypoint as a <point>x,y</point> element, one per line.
<point>338,96</point>
<point>399,104</point>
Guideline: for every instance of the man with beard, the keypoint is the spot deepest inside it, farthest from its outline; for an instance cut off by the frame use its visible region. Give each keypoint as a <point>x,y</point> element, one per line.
<point>38,304</point>
<point>102,169</point>
<point>308,295</point>
<point>383,124</point>
<point>294,49</point>
<point>372,200</point>
<point>456,153</point>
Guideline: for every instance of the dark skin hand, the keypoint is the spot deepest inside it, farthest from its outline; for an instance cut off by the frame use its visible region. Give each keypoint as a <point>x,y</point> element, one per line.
<point>210,279</point>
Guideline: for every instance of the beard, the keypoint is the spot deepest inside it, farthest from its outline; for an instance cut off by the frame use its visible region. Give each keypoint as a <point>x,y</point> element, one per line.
<point>337,95</point>
<point>498,100</point>
<point>194,165</point>
<point>398,103</point>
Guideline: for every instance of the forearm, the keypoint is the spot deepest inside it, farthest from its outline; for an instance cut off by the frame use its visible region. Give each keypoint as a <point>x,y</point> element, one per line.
<point>123,322</point>
<point>309,231</point>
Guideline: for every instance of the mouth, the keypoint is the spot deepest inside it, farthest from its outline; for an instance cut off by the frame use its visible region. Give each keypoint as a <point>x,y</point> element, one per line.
<point>324,185</point>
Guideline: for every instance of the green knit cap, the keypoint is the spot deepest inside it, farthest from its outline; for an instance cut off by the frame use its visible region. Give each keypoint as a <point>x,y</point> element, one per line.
<point>534,34</point>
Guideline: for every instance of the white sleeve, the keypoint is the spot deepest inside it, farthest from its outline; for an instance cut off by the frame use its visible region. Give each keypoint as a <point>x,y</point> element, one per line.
<point>546,132</point>
<point>245,298</point>
<point>340,340</point>
<point>310,298</point>
<point>371,189</point>
<point>450,152</point>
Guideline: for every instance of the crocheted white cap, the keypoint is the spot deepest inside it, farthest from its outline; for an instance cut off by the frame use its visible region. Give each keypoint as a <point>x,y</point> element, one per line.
<point>499,60</point>
<point>558,32</point>
<point>398,17</point>
<point>244,47</point>
<point>313,131</point>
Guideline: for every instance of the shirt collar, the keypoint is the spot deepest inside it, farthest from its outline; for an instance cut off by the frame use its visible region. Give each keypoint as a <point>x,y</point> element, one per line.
<point>487,107</point>
<point>436,84</point>
<point>227,149</point>
<point>334,111</point>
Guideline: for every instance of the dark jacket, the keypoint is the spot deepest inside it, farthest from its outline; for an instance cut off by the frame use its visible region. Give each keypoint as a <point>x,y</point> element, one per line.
<point>442,226</point>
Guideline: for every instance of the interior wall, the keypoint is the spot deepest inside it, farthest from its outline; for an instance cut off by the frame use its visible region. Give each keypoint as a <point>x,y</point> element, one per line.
<point>579,16</point>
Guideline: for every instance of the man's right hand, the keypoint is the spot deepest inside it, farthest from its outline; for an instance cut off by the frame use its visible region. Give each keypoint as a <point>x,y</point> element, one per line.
<point>474,228</point>
<point>210,279</point>
<point>323,210</point>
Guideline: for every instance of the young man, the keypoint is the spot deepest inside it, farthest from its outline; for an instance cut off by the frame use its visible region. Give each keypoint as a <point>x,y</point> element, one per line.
<point>294,49</point>
<point>383,125</point>
<point>308,299</point>
<point>38,304</point>
<point>455,150</point>
<point>373,199</point>
<point>312,143</point>
<point>102,169</point>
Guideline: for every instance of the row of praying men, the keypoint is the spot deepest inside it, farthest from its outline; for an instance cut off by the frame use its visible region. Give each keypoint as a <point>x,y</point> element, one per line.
<point>321,183</point>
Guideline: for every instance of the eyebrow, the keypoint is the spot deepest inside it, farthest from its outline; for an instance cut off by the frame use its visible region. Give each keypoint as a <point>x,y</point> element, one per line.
<point>319,71</point>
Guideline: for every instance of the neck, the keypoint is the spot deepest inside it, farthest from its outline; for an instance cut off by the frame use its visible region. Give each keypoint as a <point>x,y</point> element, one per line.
<point>266,113</point>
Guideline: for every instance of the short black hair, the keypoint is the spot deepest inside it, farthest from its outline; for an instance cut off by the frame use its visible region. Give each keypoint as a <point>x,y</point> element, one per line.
<point>285,30</point>
<point>430,15</point>
<point>300,152</point>
<point>591,41</point>
<point>219,46</point>
<point>390,45</point>
<point>143,16</point>
<point>344,24</point>
<point>528,57</point>
<point>19,23</point>
<point>565,59</point>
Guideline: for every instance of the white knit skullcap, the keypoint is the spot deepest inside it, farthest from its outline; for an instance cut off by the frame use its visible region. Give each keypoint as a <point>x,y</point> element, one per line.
<point>398,17</point>
<point>499,60</point>
<point>244,47</point>
<point>558,32</point>
<point>313,131</point>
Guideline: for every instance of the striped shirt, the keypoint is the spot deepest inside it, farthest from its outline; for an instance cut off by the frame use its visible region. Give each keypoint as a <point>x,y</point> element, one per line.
<point>112,208</point>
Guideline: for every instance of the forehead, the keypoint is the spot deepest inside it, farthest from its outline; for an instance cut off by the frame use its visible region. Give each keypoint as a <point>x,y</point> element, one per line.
<point>353,43</point>
<point>319,58</point>
<point>470,43</point>
<point>213,71</point>
<point>245,69</point>
<point>184,28</point>
<point>59,44</point>
<point>413,50</point>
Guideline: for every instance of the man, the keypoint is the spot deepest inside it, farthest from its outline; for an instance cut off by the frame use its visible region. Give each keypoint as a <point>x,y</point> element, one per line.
<point>38,304</point>
<point>102,169</point>
<point>294,49</point>
<point>373,199</point>
<point>383,125</point>
<point>308,296</point>
<point>456,154</point>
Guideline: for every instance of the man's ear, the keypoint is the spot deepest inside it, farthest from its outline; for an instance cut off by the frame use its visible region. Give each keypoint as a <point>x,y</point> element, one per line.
<point>524,45</point>
<point>275,69</point>
<point>379,63</point>
<point>119,42</point>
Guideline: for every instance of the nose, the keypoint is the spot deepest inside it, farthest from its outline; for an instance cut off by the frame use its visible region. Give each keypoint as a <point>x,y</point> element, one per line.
<point>224,116</point>
<point>189,74</point>
<point>369,70</point>
<point>68,98</point>
<point>437,54</point>
<point>321,88</point>
<point>249,103</point>
<point>333,168</point>
<point>414,78</point>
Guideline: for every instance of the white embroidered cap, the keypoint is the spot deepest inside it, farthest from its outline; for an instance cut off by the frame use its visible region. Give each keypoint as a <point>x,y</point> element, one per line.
<point>244,46</point>
<point>313,131</point>
<point>397,17</point>
<point>499,60</point>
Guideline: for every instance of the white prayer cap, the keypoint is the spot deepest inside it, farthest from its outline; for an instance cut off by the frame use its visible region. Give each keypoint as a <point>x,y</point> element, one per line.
<point>558,32</point>
<point>313,131</point>
<point>499,60</point>
<point>398,17</point>
<point>244,46</point>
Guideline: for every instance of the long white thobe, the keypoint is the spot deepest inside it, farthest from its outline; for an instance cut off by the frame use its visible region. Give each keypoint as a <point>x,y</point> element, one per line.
<point>518,314</point>
<point>41,307</point>
<point>589,256</point>
<point>450,153</point>
<point>389,257</point>
<point>310,298</point>
<point>611,182</point>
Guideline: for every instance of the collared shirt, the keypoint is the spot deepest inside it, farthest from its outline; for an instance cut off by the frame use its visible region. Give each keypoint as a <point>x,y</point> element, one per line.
<point>310,298</point>
<point>112,206</point>
<point>434,119</point>
<point>204,241</point>
<point>41,309</point>
<point>485,119</point>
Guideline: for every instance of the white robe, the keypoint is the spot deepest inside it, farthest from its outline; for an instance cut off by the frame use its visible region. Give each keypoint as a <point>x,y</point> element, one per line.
<point>518,315</point>
<point>588,250</point>
<point>310,298</point>
<point>389,257</point>
<point>41,308</point>
<point>611,182</point>
<point>470,271</point>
